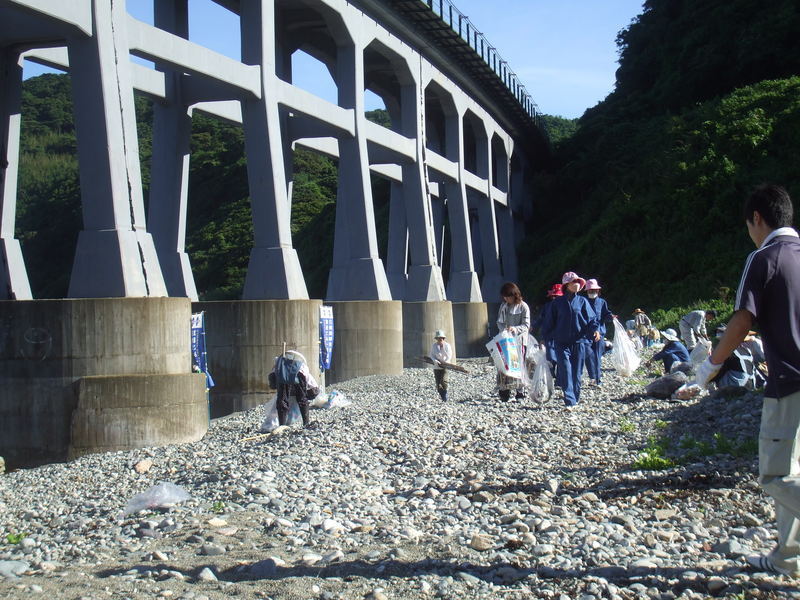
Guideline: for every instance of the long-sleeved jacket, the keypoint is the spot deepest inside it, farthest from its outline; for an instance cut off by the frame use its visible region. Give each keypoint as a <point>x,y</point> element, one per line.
<point>441,353</point>
<point>600,307</point>
<point>672,352</point>
<point>571,319</point>
<point>514,315</point>
<point>696,321</point>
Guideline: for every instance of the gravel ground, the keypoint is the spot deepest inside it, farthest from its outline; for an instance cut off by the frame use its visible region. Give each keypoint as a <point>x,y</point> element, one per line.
<point>403,496</point>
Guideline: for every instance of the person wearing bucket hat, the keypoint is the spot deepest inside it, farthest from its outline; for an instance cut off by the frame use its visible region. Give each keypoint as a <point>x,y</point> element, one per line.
<point>597,347</point>
<point>515,317</point>
<point>440,353</point>
<point>642,325</point>
<point>672,352</point>
<point>571,323</point>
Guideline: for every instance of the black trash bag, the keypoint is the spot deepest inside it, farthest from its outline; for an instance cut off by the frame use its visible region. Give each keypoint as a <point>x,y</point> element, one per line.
<point>684,367</point>
<point>664,386</point>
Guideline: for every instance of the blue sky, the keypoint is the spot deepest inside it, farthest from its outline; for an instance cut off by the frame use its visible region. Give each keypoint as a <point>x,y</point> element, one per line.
<point>563,51</point>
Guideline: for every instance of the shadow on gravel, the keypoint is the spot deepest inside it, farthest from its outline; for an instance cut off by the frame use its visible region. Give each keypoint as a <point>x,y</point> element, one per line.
<point>503,573</point>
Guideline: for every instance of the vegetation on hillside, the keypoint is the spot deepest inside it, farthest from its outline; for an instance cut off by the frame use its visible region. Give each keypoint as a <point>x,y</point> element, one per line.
<point>646,195</point>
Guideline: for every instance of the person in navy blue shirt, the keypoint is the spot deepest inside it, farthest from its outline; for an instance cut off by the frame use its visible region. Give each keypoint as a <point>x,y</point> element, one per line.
<point>597,347</point>
<point>769,292</point>
<point>672,352</point>
<point>550,350</point>
<point>572,324</point>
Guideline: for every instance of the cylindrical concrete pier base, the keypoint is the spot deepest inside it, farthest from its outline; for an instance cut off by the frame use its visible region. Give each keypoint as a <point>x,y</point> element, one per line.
<point>50,351</point>
<point>471,328</point>
<point>243,337</point>
<point>368,339</point>
<point>420,321</point>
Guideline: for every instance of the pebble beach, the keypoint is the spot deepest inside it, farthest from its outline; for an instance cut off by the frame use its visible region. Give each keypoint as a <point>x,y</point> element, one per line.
<point>403,496</point>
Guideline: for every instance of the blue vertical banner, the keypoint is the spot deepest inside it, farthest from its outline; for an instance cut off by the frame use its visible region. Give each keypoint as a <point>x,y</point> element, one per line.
<point>325,337</point>
<point>199,357</point>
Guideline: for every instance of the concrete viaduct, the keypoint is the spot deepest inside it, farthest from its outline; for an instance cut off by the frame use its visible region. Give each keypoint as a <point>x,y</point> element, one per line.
<point>109,367</point>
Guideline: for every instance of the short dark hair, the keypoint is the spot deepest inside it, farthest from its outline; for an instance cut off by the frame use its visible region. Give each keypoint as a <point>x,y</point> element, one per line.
<point>713,313</point>
<point>511,289</point>
<point>773,204</point>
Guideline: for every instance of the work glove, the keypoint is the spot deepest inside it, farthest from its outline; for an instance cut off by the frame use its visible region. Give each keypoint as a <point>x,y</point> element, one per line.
<point>706,372</point>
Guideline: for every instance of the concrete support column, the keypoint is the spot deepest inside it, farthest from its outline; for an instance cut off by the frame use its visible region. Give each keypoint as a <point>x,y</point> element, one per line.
<point>471,328</point>
<point>508,246</point>
<point>357,272</point>
<point>462,284</point>
<point>369,340</point>
<point>115,255</point>
<point>169,171</point>
<point>274,270</point>
<point>95,375</point>
<point>438,214</point>
<point>244,337</point>
<point>492,273</point>
<point>397,252</point>
<point>424,274</point>
<point>14,283</point>
<point>420,322</point>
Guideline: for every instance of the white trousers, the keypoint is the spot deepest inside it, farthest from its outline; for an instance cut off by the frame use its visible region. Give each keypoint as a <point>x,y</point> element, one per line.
<point>779,474</point>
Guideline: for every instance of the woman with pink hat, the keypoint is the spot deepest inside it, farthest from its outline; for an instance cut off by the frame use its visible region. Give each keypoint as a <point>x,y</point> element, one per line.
<point>597,347</point>
<point>571,323</point>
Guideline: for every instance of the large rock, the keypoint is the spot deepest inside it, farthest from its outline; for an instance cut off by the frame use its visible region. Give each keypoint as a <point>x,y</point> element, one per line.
<point>664,386</point>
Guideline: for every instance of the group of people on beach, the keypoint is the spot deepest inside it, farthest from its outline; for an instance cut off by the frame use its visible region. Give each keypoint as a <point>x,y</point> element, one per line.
<point>572,328</point>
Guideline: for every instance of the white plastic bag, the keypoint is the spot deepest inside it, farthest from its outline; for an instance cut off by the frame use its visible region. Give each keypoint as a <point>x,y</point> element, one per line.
<point>270,422</point>
<point>161,494</point>
<point>337,399</point>
<point>542,380</point>
<point>700,352</point>
<point>505,354</point>
<point>623,354</point>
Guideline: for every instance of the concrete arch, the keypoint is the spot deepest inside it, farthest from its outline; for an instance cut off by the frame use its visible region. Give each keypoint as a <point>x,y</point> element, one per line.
<point>441,121</point>
<point>499,158</point>
<point>388,75</point>
<point>475,145</point>
<point>313,27</point>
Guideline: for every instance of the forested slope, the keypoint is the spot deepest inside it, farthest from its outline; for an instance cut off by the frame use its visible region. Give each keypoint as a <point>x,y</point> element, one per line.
<point>646,195</point>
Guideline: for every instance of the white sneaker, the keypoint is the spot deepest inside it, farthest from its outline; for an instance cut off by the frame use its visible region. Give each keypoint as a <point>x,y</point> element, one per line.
<point>763,564</point>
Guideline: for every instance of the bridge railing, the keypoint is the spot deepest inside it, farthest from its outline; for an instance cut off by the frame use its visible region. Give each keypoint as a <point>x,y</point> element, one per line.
<point>461,24</point>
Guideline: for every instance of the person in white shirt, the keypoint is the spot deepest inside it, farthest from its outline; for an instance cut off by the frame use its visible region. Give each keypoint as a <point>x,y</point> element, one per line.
<point>440,353</point>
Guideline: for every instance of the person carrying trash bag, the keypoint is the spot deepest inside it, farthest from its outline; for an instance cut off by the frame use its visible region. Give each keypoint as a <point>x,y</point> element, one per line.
<point>597,347</point>
<point>515,316</point>
<point>572,324</point>
<point>550,351</point>
<point>290,377</point>
<point>440,353</point>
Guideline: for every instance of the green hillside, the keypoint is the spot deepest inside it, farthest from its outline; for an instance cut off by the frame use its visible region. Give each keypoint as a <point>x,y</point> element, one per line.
<point>646,195</point>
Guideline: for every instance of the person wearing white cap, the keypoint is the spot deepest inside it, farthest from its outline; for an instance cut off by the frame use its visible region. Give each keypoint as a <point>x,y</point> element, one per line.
<point>597,347</point>
<point>440,353</point>
<point>571,324</point>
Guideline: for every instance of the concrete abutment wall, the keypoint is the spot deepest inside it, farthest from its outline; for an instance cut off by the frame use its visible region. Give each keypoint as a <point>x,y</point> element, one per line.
<point>55,356</point>
<point>243,337</point>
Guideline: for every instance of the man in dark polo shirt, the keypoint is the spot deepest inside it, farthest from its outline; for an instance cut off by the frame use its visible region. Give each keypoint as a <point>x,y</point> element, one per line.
<point>769,292</point>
